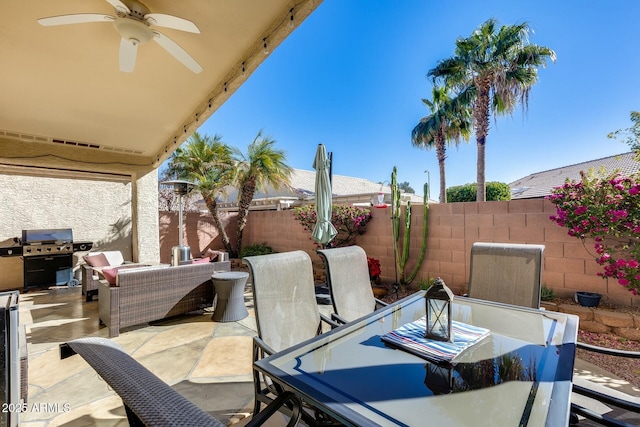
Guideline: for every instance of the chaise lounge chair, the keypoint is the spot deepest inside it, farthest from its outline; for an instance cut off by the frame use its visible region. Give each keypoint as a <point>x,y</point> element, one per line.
<point>148,401</point>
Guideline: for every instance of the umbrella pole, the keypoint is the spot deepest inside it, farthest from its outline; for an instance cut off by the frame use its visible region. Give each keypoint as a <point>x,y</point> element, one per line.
<point>330,156</point>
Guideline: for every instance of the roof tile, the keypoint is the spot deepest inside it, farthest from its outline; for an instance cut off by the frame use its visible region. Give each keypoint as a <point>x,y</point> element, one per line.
<point>539,184</point>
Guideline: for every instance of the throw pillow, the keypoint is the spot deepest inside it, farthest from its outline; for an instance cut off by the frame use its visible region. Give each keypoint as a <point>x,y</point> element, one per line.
<point>110,274</point>
<point>200,260</point>
<point>98,260</point>
<point>211,254</point>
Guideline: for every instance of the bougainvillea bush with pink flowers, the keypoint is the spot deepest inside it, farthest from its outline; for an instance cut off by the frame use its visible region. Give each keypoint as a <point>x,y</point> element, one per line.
<point>349,221</point>
<point>605,208</point>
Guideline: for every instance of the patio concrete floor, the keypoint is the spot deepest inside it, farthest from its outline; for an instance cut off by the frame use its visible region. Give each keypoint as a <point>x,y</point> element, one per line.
<point>208,362</point>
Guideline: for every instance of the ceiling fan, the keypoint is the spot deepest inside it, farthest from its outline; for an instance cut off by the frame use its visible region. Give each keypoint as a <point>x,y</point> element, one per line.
<point>133,23</point>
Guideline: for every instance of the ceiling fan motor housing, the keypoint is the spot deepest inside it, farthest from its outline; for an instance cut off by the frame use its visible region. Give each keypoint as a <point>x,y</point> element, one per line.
<point>136,9</point>
<point>133,30</point>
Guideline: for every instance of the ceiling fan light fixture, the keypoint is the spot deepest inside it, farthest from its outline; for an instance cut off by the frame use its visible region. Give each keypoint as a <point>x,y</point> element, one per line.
<point>133,30</point>
<point>133,23</point>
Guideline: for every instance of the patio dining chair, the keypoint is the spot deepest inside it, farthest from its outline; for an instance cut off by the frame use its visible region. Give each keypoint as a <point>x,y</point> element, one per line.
<point>286,312</point>
<point>349,283</point>
<point>507,273</point>
<point>630,410</point>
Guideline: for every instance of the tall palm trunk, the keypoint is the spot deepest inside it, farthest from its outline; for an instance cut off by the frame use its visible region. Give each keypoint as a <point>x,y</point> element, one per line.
<point>441,155</point>
<point>212,205</point>
<point>481,195</point>
<point>481,120</point>
<point>246,196</point>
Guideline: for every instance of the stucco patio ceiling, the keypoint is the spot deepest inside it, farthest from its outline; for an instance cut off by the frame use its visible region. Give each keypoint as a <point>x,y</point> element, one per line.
<point>66,104</point>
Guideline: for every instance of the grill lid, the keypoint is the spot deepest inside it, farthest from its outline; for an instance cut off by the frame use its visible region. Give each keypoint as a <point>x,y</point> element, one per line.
<point>53,235</point>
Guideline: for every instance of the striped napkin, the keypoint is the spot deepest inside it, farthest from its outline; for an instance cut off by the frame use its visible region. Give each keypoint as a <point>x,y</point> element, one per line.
<point>410,337</point>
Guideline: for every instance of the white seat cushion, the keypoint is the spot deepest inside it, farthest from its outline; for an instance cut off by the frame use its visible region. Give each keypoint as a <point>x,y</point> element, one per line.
<point>114,258</point>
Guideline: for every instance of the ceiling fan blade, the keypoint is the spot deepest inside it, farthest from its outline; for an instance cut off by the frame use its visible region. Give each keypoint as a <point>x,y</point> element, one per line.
<point>170,21</point>
<point>118,5</point>
<point>128,53</point>
<point>78,18</point>
<point>177,52</point>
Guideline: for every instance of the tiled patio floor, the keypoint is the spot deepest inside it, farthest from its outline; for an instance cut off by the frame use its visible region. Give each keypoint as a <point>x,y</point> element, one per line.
<point>208,362</point>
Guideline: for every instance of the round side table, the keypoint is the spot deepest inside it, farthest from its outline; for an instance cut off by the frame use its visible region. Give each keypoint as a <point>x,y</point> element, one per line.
<point>229,287</point>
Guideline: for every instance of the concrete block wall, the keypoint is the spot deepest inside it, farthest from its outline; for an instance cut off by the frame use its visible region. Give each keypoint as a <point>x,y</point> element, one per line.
<point>568,264</point>
<point>198,232</point>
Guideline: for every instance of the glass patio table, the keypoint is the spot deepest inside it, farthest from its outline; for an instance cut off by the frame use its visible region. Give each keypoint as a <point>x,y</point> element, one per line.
<point>519,375</point>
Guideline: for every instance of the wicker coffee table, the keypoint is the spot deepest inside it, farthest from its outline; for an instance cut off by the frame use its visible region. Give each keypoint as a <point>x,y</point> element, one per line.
<point>229,287</point>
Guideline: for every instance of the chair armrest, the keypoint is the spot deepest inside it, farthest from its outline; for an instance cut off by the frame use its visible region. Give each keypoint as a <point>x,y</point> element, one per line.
<point>608,351</point>
<point>328,321</point>
<point>258,344</point>
<point>338,319</point>
<point>295,407</point>
<point>606,398</point>
<point>598,418</point>
<point>380,303</point>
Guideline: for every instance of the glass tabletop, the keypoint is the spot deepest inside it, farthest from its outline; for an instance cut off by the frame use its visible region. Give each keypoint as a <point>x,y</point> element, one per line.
<point>519,375</point>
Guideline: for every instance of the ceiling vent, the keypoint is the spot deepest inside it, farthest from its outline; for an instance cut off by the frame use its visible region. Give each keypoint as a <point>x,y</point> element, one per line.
<point>33,138</point>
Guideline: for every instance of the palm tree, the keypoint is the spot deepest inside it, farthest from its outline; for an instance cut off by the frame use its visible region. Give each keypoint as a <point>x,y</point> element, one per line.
<point>494,71</point>
<point>449,121</point>
<point>207,162</point>
<point>262,166</point>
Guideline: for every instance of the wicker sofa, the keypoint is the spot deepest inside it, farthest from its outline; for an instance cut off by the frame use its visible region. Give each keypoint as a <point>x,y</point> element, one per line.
<point>145,294</point>
<point>90,277</point>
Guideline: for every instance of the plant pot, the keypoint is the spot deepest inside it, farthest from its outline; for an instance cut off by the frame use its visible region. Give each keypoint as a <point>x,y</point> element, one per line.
<point>379,291</point>
<point>588,299</point>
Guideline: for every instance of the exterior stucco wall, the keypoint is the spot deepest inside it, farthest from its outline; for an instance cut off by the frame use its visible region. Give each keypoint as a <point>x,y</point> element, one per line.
<point>97,210</point>
<point>146,247</point>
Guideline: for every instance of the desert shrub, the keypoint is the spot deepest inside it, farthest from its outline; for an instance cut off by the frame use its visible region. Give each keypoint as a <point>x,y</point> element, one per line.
<point>256,249</point>
<point>547,294</point>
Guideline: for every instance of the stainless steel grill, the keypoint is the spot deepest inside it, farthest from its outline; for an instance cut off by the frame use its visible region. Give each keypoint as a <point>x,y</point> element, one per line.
<point>47,242</point>
<point>47,256</point>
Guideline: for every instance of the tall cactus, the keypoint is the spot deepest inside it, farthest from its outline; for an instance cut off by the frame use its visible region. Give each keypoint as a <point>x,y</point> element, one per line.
<point>396,215</point>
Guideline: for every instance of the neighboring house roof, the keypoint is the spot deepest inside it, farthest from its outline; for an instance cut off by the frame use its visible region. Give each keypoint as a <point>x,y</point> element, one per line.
<point>540,184</point>
<point>345,189</point>
<point>304,183</point>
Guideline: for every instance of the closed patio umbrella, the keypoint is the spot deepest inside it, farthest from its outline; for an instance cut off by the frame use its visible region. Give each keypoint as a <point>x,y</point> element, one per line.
<point>324,231</point>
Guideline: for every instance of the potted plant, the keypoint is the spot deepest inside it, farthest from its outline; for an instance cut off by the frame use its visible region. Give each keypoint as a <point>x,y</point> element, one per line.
<point>588,299</point>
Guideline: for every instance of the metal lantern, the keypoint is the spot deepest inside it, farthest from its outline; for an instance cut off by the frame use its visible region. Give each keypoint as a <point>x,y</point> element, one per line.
<point>439,299</point>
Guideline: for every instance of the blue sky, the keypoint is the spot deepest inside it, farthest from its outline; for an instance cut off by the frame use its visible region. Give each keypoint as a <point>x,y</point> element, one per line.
<point>352,77</point>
